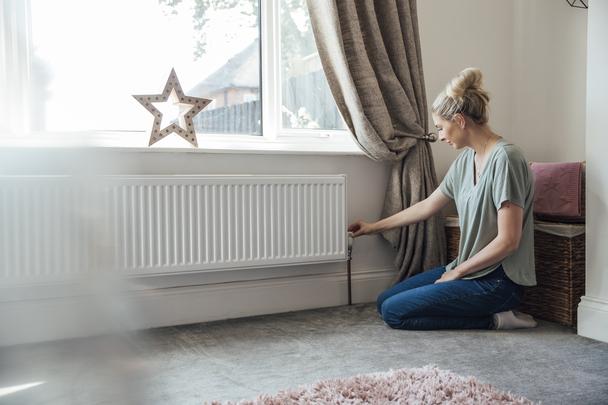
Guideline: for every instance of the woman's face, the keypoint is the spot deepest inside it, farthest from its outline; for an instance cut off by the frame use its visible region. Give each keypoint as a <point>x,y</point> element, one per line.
<point>450,131</point>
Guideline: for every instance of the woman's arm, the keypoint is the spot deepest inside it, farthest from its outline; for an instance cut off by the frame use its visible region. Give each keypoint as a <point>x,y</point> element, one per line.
<point>416,213</point>
<point>510,222</point>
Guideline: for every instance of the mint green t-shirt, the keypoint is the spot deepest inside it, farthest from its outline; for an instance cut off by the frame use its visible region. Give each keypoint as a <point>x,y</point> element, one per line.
<point>505,177</point>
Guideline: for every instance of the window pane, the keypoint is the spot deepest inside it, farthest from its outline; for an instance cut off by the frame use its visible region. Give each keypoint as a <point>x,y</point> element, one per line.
<point>88,58</point>
<point>306,99</point>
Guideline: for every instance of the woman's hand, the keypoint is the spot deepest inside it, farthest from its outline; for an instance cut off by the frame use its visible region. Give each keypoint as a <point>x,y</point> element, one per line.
<point>449,276</point>
<point>360,228</point>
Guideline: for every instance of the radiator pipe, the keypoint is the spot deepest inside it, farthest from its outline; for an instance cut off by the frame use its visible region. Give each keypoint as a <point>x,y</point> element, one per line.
<point>348,258</point>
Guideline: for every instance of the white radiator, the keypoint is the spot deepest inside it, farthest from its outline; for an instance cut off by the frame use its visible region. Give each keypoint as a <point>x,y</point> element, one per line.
<point>57,226</point>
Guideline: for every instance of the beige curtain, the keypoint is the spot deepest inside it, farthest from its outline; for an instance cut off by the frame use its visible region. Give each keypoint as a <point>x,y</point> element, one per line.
<point>370,52</point>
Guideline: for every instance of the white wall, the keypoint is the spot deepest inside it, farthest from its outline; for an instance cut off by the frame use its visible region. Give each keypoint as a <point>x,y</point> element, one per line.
<point>532,55</point>
<point>549,80</point>
<point>593,310</point>
<point>458,34</point>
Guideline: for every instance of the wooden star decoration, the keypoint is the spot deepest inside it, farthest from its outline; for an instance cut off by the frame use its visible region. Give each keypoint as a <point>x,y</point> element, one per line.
<point>188,107</point>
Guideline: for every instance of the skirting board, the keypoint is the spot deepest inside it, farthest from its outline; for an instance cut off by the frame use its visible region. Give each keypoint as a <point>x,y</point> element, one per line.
<point>37,320</point>
<point>593,318</point>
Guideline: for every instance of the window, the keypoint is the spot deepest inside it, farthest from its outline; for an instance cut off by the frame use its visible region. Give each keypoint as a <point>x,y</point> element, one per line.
<point>72,66</point>
<point>306,100</point>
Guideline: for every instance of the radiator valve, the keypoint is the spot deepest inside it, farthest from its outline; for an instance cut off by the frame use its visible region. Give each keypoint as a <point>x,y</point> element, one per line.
<point>351,239</point>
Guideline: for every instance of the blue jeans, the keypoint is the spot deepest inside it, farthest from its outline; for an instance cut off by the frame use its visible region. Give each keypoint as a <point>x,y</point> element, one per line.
<point>418,304</point>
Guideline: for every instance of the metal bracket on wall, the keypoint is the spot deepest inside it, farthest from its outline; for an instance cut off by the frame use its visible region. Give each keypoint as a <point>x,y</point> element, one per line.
<point>578,3</point>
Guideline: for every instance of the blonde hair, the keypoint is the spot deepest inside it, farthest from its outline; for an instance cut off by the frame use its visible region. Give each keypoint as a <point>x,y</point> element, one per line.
<point>464,94</point>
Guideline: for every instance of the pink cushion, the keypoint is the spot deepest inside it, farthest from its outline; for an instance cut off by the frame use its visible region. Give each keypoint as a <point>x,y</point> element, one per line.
<point>558,189</point>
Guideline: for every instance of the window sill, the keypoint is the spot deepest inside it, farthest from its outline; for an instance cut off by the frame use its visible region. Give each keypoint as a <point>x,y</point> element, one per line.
<point>331,144</point>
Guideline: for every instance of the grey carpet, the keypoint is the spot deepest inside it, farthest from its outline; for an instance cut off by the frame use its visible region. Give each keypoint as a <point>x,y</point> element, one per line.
<point>236,359</point>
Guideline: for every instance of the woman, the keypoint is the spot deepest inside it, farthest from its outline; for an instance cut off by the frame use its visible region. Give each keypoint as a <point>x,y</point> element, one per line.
<point>492,186</point>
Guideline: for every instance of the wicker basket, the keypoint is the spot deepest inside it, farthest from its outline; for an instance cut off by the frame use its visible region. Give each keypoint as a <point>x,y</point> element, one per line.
<point>560,269</point>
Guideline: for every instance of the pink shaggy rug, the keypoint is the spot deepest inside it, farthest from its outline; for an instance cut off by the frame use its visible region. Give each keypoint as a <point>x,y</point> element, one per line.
<point>426,385</point>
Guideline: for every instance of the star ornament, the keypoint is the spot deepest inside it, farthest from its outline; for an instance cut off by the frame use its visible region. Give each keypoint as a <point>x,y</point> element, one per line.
<point>184,108</point>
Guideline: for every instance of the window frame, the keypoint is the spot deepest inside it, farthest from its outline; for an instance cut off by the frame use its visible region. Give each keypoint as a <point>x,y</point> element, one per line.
<point>274,137</point>
<point>272,129</point>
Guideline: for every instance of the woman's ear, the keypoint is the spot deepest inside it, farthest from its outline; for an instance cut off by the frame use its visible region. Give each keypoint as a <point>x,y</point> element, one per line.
<point>459,120</point>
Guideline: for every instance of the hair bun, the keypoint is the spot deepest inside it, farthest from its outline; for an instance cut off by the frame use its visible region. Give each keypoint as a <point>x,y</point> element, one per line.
<point>464,94</point>
<point>468,79</point>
